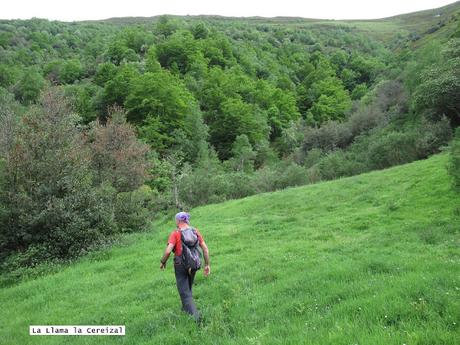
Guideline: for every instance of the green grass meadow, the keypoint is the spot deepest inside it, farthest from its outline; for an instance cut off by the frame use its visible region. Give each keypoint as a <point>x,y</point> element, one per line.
<point>369,259</point>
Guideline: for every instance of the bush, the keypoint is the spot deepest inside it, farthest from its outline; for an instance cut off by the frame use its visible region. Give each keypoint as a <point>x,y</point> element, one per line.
<point>337,164</point>
<point>205,184</point>
<point>133,210</point>
<point>431,136</point>
<point>313,157</point>
<point>392,148</point>
<point>49,195</point>
<point>264,179</point>
<point>366,118</point>
<point>328,137</point>
<point>290,174</point>
<point>454,162</point>
<point>56,201</point>
<point>240,185</point>
<point>314,174</point>
<point>387,148</point>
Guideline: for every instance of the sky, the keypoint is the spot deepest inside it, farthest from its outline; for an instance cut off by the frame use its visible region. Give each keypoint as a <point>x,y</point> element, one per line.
<point>74,10</point>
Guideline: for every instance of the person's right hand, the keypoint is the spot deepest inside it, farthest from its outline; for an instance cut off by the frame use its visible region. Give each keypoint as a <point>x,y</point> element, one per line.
<point>162,266</point>
<point>207,270</point>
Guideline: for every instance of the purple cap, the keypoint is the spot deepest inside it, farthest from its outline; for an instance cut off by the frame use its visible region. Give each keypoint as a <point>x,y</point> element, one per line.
<point>183,217</point>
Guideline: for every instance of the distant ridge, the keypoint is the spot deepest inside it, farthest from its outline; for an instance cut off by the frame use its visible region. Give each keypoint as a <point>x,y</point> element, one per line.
<point>441,10</point>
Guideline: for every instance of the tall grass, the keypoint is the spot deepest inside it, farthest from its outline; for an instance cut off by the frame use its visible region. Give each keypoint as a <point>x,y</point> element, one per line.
<point>369,259</point>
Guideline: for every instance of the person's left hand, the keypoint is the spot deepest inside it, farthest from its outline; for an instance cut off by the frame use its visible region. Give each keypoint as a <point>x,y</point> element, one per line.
<point>162,266</point>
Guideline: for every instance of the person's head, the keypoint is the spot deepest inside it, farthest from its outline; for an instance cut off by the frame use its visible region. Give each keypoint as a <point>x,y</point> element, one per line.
<point>182,217</point>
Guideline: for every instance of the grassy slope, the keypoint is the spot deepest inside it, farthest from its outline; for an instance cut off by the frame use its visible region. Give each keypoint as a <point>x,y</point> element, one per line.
<point>384,29</point>
<point>370,259</point>
<point>416,22</point>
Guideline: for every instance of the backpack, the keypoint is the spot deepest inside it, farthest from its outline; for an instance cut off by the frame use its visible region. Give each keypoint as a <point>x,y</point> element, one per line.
<point>190,249</point>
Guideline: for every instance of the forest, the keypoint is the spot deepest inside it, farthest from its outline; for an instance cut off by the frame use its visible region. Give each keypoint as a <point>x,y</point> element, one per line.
<point>106,124</point>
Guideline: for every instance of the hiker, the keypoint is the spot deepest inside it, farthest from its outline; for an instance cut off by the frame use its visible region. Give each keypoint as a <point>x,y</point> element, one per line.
<point>185,266</point>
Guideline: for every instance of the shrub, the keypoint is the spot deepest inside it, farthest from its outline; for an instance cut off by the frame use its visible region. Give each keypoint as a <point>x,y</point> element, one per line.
<point>313,157</point>
<point>49,195</point>
<point>205,184</point>
<point>430,136</point>
<point>314,174</point>
<point>133,210</point>
<point>264,179</point>
<point>392,148</point>
<point>439,88</point>
<point>328,137</point>
<point>63,191</point>
<point>454,162</point>
<point>240,185</point>
<point>390,95</point>
<point>365,118</point>
<point>290,174</point>
<point>337,164</point>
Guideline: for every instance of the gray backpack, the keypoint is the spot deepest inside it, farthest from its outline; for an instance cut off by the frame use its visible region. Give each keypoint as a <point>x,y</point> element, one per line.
<point>190,249</point>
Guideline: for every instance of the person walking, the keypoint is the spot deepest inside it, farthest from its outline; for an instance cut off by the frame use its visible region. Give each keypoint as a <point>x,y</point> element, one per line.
<point>184,272</point>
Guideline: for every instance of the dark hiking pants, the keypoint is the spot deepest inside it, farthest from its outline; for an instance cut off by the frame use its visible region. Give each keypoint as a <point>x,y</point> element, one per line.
<point>184,282</point>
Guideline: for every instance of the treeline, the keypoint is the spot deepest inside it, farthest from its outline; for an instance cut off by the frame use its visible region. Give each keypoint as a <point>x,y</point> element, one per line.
<point>104,125</point>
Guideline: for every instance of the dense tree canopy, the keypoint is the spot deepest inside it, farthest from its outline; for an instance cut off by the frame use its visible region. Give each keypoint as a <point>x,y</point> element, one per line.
<point>154,113</point>
<point>239,75</point>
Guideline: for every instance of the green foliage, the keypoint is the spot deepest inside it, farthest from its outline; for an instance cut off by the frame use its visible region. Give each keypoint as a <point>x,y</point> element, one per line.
<point>388,147</point>
<point>177,52</point>
<point>205,184</point>
<point>359,91</point>
<point>289,174</point>
<point>59,193</point>
<point>159,111</point>
<point>237,117</point>
<point>118,52</point>
<point>71,71</point>
<point>243,154</point>
<point>118,88</point>
<point>50,199</point>
<point>166,26</point>
<point>133,210</point>
<point>271,71</point>
<point>331,101</point>
<point>52,71</point>
<point>248,91</point>
<point>8,75</point>
<point>454,163</point>
<point>424,57</point>
<point>392,148</point>
<point>439,90</point>
<point>336,164</point>
<point>280,106</point>
<point>105,72</point>
<point>29,86</point>
<point>200,31</point>
<point>83,99</point>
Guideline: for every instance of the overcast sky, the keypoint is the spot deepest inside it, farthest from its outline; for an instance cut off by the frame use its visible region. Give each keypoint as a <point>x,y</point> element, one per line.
<point>102,9</point>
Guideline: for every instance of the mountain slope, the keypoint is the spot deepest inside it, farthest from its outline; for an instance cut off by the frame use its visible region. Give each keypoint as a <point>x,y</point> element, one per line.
<point>370,259</point>
<point>438,22</point>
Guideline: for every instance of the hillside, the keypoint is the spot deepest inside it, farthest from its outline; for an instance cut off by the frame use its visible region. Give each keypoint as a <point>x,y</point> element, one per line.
<point>422,25</point>
<point>370,259</point>
<point>433,23</point>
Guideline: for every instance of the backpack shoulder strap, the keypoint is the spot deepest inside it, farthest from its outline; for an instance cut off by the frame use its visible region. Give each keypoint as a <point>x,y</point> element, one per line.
<point>196,234</point>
